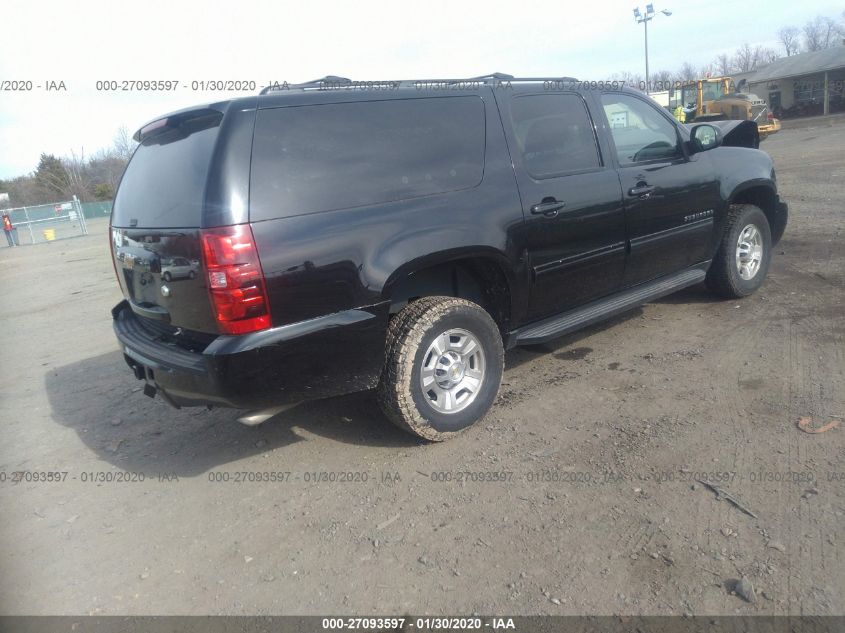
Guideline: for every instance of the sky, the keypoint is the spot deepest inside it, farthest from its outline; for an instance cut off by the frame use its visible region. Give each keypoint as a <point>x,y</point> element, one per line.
<point>80,43</point>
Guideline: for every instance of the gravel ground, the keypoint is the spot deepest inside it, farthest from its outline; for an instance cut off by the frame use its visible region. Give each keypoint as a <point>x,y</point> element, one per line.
<point>576,495</point>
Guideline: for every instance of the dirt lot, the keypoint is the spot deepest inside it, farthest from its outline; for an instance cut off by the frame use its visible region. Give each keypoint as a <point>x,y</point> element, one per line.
<point>598,438</point>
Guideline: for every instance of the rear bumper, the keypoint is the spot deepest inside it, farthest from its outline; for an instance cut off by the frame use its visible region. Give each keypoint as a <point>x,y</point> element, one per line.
<point>327,356</point>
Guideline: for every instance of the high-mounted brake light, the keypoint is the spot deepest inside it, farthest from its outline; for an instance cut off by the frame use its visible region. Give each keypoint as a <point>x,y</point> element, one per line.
<point>235,279</point>
<point>150,128</point>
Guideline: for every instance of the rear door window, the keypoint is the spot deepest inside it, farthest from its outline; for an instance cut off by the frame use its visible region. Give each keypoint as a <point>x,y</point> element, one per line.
<point>554,135</point>
<point>335,156</point>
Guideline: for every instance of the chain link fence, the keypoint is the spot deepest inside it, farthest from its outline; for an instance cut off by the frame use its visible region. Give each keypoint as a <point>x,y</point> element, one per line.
<point>47,222</point>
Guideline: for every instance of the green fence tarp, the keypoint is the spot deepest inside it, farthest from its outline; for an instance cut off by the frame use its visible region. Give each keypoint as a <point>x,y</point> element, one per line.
<point>48,211</point>
<point>96,209</point>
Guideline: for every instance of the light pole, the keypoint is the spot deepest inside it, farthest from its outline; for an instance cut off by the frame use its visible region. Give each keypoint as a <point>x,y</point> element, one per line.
<point>644,19</point>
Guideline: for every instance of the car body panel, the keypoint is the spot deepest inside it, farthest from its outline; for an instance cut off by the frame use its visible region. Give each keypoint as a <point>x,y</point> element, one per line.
<point>142,257</point>
<point>326,357</point>
<point>331,275</point>
<point>577,252</point>
<point>341,259</point>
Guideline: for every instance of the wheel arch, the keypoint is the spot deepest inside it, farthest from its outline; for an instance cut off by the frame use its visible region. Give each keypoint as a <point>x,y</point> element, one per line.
<point>762,194</point>
<point>482,275</point>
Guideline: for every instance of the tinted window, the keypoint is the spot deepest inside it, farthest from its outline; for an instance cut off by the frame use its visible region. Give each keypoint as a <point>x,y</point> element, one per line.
<point>164,183</point>
<point>554,134</point>
<point>640,132</point>
<point>334,156</point>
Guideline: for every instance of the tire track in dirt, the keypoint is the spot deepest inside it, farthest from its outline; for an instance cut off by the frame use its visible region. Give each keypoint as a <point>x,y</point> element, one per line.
<point>810,370</point>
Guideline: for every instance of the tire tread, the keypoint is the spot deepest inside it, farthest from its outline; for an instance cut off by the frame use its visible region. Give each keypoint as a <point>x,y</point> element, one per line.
<point>720,278</point>
<point>404,336</point>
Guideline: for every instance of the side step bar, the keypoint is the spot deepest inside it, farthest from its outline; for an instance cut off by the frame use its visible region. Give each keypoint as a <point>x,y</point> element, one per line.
<point>567,322</point>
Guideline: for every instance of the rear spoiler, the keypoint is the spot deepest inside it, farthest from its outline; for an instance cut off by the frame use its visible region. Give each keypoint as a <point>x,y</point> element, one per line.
<point>178,125</point>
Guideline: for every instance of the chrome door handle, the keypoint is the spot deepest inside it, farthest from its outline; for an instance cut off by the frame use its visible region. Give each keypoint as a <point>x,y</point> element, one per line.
<point>641,190</point>
<point>549,209</point>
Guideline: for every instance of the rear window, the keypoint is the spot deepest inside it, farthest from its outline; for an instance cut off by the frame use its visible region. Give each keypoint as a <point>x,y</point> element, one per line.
<point>554,135</point>
<point>334,156</point>
<point>164,183</point>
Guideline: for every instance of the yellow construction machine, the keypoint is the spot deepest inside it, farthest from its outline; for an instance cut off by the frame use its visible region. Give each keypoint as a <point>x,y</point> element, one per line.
<point>717,99</point>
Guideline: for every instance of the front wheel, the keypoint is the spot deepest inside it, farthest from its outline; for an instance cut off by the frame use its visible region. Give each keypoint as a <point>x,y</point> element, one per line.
<point>442,369</point>
<point>742,261</point>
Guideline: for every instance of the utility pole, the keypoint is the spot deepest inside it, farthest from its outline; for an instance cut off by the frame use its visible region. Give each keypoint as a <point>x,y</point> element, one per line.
<point>644,18</point>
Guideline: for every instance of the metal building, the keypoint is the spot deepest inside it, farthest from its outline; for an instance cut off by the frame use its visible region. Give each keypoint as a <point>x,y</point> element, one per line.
<point>803,84</point>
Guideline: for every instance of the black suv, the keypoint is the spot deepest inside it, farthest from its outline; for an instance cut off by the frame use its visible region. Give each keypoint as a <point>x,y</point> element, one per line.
<point>403,236</point>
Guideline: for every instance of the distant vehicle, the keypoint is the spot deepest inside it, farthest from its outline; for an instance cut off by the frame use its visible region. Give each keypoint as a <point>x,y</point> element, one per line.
<point>178,268</point>
<point>712,99</point>
<point>402,239</point>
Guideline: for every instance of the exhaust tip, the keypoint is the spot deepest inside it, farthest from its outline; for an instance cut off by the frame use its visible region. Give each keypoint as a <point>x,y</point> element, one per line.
<point>259,416</point>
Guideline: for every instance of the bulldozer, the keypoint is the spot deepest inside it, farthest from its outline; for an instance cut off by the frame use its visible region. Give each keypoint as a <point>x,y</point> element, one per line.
<point>718,99</point>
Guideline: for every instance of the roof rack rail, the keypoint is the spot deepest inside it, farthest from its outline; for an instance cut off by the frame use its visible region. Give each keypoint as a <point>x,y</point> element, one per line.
<point>491,77</point>
<point>308,84</point>
<point>544,79</point>
<point>499,76</point>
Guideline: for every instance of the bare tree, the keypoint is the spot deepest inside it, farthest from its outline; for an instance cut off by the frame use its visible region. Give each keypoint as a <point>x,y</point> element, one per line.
<point>58,178</point>
<point>77,175</point>
<point>687,72</point>
<point>123,144</point>
<point>764,55</point>
<point>661,80</point>
<point>822,33</point>
<point>632,80</point>
<point>812,36</point>
<point>723,65</point>
<point>707,70</point>
<point>25,191</point>
<point>106,168</point>
<point>744,58</point>
<point>788,38</point>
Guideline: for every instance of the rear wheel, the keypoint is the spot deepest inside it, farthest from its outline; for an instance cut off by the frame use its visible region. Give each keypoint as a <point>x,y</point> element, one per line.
<point>443,366</point>
<point>742,261</point>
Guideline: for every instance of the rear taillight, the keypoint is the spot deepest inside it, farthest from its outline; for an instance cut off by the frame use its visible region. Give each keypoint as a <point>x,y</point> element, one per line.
<point>770,116</point>
<point>235,279</point>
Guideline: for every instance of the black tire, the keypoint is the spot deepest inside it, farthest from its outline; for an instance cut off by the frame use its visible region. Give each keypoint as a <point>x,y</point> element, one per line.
<point>191,275</point>
<point>166,276</point>
<point>409,336</point>
<point>724,276</point>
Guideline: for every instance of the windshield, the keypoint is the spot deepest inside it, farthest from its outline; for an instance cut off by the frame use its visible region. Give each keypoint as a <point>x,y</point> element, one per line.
<point>712,90</point>
<point>687,96</point>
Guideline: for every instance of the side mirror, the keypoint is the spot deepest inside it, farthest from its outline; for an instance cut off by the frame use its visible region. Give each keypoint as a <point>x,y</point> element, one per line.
<point>705,136</point>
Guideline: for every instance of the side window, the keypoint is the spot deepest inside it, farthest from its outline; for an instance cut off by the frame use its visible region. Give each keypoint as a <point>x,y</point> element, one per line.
<point>639,131</point>
<point>554,134</point>
<point>313,158</point>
